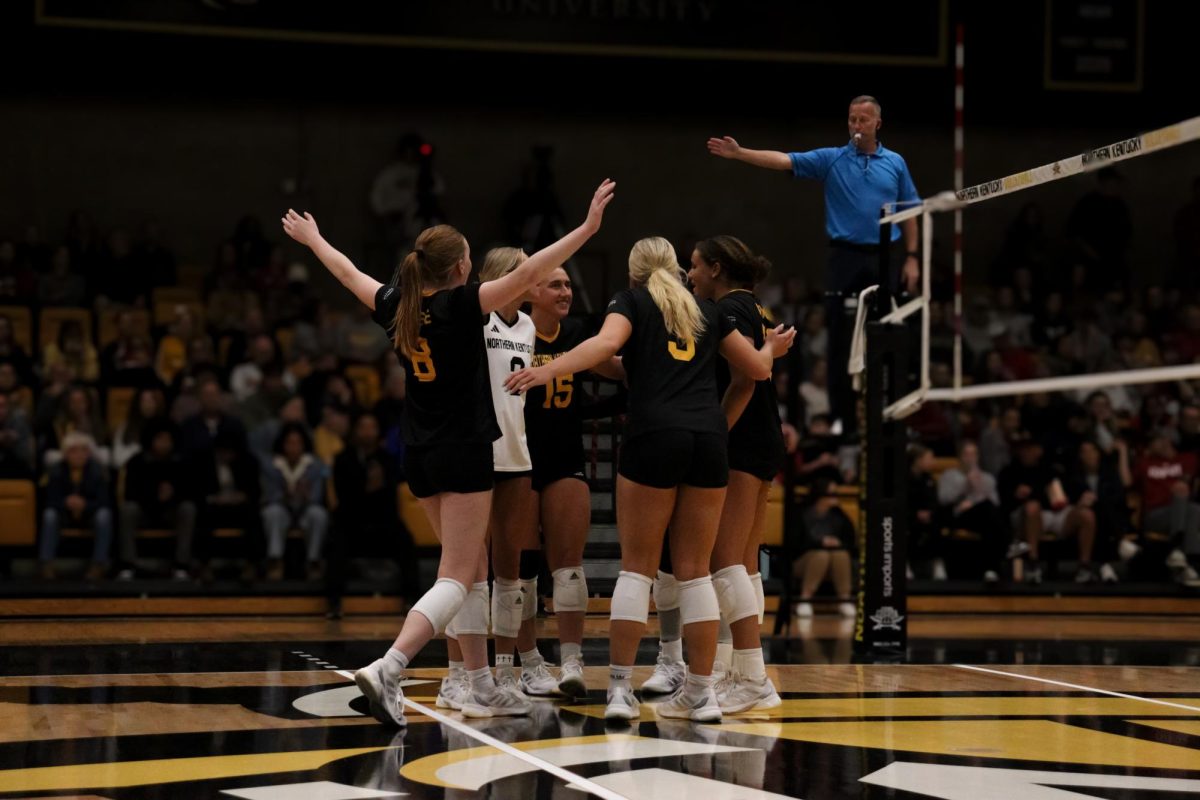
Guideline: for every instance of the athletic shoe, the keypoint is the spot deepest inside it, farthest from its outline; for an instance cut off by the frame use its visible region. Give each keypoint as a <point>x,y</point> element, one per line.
<point>452,692</point>
<point>1085,575</point>
<point>991,577</point>
<point>803,610</point>
<point>506,678</point>
<point>622,704</point>
<point>537,680</point>
<point>385,702</point>
<point>1017,549</point>
<point>939,569</point>
<point>667,678</point>
<point>1033,575</point>
<point>495,701</point>
<point>744,694</point>
<point>848,610</point>
<point>699,706</point>
<point>570,681</point>
<point>1108,574</point>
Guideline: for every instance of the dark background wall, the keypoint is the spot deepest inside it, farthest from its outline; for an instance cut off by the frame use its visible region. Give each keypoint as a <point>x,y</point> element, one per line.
<point>199,130</point>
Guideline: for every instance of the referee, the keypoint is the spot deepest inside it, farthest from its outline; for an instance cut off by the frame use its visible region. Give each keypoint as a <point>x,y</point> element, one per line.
<point>859,177</point>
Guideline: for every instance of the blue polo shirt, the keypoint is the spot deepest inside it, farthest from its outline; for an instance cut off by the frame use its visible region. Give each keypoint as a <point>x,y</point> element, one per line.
<point>856,187</point>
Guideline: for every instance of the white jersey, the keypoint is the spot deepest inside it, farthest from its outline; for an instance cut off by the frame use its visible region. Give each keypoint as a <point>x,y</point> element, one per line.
<point>509,348</point>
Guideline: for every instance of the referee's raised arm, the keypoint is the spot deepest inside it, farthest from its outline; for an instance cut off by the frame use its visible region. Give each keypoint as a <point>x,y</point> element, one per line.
<point>727,147</point>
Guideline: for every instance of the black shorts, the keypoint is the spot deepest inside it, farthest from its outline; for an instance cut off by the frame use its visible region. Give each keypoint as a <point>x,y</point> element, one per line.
<point>553,462</point>
<point>764,466</point>
<point>501,477</point>
<point>666,459</point>
<point>460,468</point>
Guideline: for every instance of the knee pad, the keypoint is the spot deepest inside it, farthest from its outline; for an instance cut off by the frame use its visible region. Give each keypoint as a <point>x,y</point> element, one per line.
<point>570,589</point>
<point>631,597</point>
<point>698,601</point>
<point>529,598</point>
<point>759,597</point>
<point>441,603</point>
<point>508,604</point>
<point>472,617</point>
<point>735,593</point>
<point>531,564</point>
<point>666,592</point>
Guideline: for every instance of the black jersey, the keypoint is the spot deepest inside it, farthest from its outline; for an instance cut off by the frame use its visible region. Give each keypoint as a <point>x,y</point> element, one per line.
<point>449,396</point>
<point>758,429</point>
<point>554,412</point>
<point>672,384</point>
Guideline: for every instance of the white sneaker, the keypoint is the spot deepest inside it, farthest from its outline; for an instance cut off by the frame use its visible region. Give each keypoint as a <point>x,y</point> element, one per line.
<point>991,577</point>
<point>698,707</point>
<point>506,678</point>
<point>452,692</point>
<point>570,681</point>
<point>1108,574</point>
<point>125,575</point>
<point>385,702</point>
<point>538,681</point>
<point>939,569</point>
<point>848,610</point>
<point>622,703</point>
<point>496,701</point>
<point>804,610</point>
<point>667,678</point>
<point>180,574</point>
<point>743,694</point>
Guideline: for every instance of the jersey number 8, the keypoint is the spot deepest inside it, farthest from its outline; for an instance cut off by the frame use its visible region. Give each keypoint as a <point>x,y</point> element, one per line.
<point>422,362</point>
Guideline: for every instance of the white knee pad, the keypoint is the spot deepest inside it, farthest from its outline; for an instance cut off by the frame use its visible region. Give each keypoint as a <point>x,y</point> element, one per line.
<point>473,617</point>
<point>698,601</point>
<point>507,604</point>
<point>529,598</point>
<point>441,603</point>
<point>666,592</point>
<point>631,597</point>
<point>759,597</point>
<point>735,593</point>
<point>570,589</point>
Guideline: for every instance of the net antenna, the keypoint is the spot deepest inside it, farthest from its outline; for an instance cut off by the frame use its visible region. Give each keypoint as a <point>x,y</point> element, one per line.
<point>1162,139</point>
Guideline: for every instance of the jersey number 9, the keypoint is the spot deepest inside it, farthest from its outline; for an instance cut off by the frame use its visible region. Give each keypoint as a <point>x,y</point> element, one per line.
<point>681,350</point>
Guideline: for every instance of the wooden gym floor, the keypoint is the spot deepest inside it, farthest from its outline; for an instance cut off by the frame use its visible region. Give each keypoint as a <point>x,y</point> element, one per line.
<point>1051,700</point>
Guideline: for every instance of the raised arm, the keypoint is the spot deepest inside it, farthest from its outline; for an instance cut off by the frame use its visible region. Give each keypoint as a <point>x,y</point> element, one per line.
<point>587,354</point>
<point>756,364</point>
<point>535,269</point>
<point>727,147</point>
<point>304,230</point>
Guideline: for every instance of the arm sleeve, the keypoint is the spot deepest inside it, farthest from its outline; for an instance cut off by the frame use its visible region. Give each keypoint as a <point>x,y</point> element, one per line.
<point>387,299</point>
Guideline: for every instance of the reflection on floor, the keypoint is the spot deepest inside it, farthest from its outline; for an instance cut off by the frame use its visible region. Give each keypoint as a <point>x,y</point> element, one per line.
<point>263,709</point>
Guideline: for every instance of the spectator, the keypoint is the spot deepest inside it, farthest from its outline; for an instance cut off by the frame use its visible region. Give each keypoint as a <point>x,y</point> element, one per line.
<point>73,348</point>
<point>157,495</point>
<point>263,435</point>
<point>330,436</point>
<point>968,494</point>
<point>360,340</point>
<point>1100,483</point>
<point>127,360</point>
<point>366,519</point>
<point>76,496</point>
<point>79,412</point>
<point>17,281</point>
<point>16,442</point>
<point>315,332</point>
<point>1101,228</point>
<point>200,431</point>
<point>995,444</point>
<point>293,496</point>
<point>827,543</point>
<point>226,479</point>
<point>149,405</point>
<point>245,378</point>
<point>172,353</point>
<point>924,521</point>
<point>815,391</point>
<point>12,353</point>
<point>819,453</point>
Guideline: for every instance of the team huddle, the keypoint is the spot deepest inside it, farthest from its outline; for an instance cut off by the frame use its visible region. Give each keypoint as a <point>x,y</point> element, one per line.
<point>494,453</point>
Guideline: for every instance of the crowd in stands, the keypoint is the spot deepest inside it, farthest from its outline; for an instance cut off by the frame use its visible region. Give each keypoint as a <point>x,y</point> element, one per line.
<point>146,396</point>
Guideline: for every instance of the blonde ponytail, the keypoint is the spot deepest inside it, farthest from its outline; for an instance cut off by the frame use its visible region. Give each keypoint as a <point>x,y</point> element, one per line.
<point>652,262</point>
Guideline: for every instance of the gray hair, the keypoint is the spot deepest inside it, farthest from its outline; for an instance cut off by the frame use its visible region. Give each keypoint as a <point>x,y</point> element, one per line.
<point>866,98</point>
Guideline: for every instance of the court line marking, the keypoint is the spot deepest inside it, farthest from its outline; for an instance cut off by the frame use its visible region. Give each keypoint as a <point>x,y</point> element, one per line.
<point>579,781</point>
<point>1077,686</point>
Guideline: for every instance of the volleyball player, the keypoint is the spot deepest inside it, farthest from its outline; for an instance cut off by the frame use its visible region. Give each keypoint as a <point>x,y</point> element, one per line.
<point>673,466</point>
<point>554,424</point>
<point>449,424</point>
<point>725,270</point>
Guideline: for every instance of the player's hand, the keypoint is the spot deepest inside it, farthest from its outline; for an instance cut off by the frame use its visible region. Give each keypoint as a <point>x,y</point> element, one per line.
<point>912,274</point>
<point>602,197</point>
<point>301,228</point>
<point>725,147</point>
<point>780,338</point>
<point>525,379</point>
